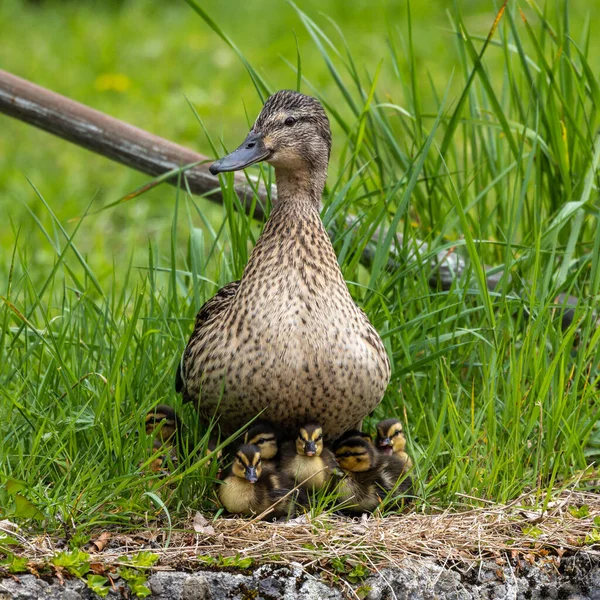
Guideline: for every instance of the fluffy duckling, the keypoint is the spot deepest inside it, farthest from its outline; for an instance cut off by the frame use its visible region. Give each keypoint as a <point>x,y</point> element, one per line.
<point>163,422</point>
<point>370,476</point>
<point>391,441</point>
<point>262,433</point>
<point>359,490</point>
<point>308,459</point>
<point>248,489</point>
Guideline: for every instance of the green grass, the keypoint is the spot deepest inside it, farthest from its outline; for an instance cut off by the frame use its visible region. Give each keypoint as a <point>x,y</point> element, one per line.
<point>496,160</point>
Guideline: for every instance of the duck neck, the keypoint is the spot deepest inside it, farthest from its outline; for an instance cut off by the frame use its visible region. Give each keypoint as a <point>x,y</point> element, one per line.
<point>303,186</point>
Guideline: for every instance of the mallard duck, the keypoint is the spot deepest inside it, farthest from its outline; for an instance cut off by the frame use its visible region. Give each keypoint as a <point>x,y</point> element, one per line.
<point>248,489</point>
<point>286,339</point>
<point>163,423</point>
<point>263,435</point>
<point>391,441</point>
<point>306,460</point>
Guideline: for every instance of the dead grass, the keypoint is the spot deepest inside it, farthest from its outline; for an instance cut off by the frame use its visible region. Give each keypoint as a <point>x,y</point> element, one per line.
<point>518,530</point>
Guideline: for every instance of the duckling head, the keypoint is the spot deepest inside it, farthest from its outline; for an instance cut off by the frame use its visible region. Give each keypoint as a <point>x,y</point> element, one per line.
<point>263,435</point>
<point>351,433</point>
<point>390,437</point>
<point>163,421</point>
<point>291,133</point>
<point>356,455</point>
<point>247,464</point>
<point>310,440</point>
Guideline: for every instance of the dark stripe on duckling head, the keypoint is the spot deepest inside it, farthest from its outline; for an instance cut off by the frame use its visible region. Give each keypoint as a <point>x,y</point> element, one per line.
<point>353,433</point>
<point>310,432</point>
<point>355,454</point>
<point>310,440</point>
<point>387,427</point>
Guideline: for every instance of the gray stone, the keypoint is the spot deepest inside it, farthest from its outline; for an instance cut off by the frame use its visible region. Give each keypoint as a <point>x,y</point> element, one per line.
<point>578,578</point>
<point>195,587</point>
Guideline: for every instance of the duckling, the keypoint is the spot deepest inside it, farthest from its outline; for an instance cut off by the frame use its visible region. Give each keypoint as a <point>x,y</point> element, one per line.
<point>391,441</point>
<point>359,490</point>
<point>248,489</point>
<point>370,476</point>
<point>287,339</point>
<point>164,423</point>
<point>263,434</point>
<point>307,458</point>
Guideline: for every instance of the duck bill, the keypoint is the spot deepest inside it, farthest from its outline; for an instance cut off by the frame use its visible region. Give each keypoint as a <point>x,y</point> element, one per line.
<point>251,151</point>
<point>251,475</point>
<point>385,445</point>
<point>310,448</point>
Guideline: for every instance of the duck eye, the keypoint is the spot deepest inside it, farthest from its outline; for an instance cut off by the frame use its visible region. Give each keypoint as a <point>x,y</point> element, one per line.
<point>290,121</point>
<point>261,441</point>
<point>319,438</point>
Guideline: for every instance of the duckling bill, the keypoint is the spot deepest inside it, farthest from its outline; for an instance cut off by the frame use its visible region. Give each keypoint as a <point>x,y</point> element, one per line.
<point>287,339</point>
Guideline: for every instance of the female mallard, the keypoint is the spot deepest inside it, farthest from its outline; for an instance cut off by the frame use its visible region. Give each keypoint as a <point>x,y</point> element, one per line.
<point>287,339</point>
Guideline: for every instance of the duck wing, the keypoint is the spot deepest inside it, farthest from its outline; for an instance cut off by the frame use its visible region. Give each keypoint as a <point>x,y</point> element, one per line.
<point>209,310</point>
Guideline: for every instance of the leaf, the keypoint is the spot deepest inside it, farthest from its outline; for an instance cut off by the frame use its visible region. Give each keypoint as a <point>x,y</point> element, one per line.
<point>13,486</point>
<point>98,585</point>
<point>15,564</point>
<point>140,590</point>
<point>144,559</point>
<point>100,543</point>
<point>76,562</point>
<point>202,525</point>
<point>25,509</point>
<point>580,512</point>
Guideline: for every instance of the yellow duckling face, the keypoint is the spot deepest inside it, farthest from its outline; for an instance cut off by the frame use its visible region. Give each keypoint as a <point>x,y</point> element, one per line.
<point>291,132</point>
<point>356,455</point>
<point>263,435</point>
<point>390,437</point>
<point>310,440</point>
<point>247,464</point>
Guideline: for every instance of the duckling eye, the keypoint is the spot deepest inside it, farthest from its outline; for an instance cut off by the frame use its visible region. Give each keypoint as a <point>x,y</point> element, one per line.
<point>290,121</point>
<point>319,438</point>
<point>261,441</point>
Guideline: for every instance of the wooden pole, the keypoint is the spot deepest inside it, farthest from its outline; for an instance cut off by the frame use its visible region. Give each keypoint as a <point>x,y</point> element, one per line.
<point>113,138</point>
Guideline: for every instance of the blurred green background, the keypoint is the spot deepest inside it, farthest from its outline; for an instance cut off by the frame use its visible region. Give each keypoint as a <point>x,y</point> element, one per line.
<point>139,60</point>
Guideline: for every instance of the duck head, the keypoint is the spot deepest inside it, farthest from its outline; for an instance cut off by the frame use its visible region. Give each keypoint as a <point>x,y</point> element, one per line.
<point>310,440</point>
<point>263,435</point>
<point>246,464</point>
<point>291,133</point>
<point>163,422</point>
<point>390,437</point>
<point>356,455</point>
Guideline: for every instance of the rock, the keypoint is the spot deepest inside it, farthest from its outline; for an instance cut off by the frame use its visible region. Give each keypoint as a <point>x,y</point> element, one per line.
<point>195,587</point>
<point>577,578</point>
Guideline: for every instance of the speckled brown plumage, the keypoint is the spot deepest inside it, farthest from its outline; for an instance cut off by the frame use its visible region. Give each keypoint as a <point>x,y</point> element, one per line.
<point>288,338</point>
